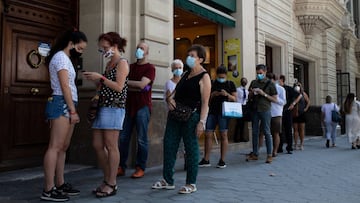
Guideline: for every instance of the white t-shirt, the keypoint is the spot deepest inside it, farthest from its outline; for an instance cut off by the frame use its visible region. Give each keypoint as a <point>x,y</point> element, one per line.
<point>169,85</point>
<point>60,61</point>
<point>277,108</point>
<point>327,108</point>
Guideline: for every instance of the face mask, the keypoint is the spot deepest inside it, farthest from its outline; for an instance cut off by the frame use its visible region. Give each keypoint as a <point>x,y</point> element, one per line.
<point>139,54</point>
<point>260,76</point>
<point>109,53</point>
<point>178,72</point>
<point>243,84</point>
<point>297,88</point>
<point>190,61</point>
<point>74,53</point>
<point>221,80</point>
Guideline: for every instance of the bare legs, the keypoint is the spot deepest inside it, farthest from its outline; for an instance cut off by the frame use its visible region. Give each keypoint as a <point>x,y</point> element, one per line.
<point>276,142</point>
<point>105,143</point>
<point>208,144</point>
<point>54,159</point>
<point>299,131</point>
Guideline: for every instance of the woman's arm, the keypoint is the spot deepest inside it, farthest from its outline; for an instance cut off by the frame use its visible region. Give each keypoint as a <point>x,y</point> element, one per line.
<point>121,74</point>
<point>205,88</point>
<point>63,75</point>
<point>307,100</point>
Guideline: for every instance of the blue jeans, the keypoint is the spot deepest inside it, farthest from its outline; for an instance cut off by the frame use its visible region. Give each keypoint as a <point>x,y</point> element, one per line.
<point>331,131</point>
<point>265,119</point>
<point>141,123</point>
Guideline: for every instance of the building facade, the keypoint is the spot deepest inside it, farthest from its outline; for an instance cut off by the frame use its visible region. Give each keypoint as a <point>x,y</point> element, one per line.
<point>311,41</point>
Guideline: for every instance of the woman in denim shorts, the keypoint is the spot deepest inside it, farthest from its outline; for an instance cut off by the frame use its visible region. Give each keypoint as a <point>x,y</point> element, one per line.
<point>112,94</point>
<point>61,113</point>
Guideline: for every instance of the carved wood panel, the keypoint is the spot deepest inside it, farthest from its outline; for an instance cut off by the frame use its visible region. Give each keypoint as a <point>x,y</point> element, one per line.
<point>24,132</point>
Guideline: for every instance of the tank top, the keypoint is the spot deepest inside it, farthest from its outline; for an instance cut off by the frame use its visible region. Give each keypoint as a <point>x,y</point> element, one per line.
<point>109,97</point>
<point>188,91</point>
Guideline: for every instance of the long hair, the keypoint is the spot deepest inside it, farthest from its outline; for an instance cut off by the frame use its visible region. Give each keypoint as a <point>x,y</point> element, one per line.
<point>63,40</point>
<point>348,103</point>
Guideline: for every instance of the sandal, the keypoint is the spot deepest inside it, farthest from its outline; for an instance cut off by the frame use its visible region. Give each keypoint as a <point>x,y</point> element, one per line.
<point>162,184</point>
<point>98,189</point>
<point>187,189</point>
<point>101,194</point>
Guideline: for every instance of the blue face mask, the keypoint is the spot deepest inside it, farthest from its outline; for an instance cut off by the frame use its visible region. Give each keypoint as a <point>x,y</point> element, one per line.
<point>178,72</point>
<point>221,80</point>
<point>190,61</point>
<point>260,76</point>
<point>139,54</point>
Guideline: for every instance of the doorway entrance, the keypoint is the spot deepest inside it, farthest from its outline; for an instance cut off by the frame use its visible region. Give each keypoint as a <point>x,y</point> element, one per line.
<point>24,78</point>
<point>301,73</point>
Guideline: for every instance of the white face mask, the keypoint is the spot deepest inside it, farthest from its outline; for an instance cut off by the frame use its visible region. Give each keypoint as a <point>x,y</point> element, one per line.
<point>297,88</point>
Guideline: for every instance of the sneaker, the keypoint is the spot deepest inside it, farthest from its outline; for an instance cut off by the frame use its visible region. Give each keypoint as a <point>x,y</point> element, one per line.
<point>120,171</point>
<point>204,163</point>
<point>252,157</point>
<point>54,195</point>
<point>268,159</point>
<point>67,189</point>
<point>139,173</point>
<point>221,164</point>
<point>327,143</point>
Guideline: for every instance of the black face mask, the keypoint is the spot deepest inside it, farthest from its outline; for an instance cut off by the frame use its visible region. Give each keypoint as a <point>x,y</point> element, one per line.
<point>243,84</point>
<point>74,53</point>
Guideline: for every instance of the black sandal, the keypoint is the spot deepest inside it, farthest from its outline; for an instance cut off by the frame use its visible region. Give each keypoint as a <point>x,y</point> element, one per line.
<point>101,194</point>
<point>98,189</point>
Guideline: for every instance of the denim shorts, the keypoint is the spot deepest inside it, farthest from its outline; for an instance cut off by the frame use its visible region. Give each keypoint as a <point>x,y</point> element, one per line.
<point>56,107</point>
<point>213,120</point>
<point>109,118</point>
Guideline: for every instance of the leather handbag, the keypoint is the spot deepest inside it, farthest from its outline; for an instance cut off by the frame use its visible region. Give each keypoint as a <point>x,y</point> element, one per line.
<point>93,109</point>
<point>181,112</point>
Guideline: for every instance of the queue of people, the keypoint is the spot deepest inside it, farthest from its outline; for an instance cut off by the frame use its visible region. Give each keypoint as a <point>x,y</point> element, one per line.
<point>124,100</point>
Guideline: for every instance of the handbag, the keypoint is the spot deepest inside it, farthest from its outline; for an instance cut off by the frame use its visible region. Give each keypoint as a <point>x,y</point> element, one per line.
<point>93,108</point>
<point>232,110</point>
<point>295,111</point>
<point>181,112</point>
<point>335,115</point>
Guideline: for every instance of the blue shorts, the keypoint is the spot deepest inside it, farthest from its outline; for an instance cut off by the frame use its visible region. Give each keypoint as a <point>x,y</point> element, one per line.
<point>56,107</point>
<point>213,120</point>
<point>109,118</point>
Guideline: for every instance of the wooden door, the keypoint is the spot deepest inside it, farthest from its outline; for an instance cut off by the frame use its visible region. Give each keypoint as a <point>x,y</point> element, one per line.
<point>24,79</point>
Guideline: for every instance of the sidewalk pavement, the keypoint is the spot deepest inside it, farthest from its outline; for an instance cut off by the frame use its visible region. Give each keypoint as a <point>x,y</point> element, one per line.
<point>316,174</point>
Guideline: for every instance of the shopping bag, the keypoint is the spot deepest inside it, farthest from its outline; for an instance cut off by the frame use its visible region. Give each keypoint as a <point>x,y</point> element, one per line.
<point>232,110</point>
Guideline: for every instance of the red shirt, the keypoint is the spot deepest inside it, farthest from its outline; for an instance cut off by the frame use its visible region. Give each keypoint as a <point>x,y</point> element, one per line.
<point>137,100</point>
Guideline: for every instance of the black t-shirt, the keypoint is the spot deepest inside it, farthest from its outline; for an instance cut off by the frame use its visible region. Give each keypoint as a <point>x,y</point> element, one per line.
<point>291,95</point>
<point>215,104</point>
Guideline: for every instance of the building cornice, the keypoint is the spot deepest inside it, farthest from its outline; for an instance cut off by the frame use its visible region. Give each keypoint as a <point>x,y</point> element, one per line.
<point>315,16</point>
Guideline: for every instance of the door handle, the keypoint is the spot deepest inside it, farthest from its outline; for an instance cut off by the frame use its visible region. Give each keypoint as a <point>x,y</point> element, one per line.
<point>34,91</point>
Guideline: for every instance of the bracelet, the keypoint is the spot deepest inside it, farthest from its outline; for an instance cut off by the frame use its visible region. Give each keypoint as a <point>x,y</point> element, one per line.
<point>102,79</point>
<point>293,103</point>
